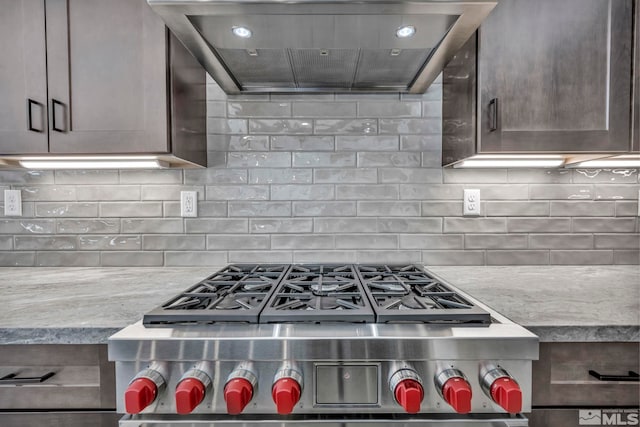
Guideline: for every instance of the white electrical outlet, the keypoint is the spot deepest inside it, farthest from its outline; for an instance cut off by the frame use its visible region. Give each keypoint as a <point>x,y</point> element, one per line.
<point>12,203</point>
<point>189,203</point>
<point>471,205</point>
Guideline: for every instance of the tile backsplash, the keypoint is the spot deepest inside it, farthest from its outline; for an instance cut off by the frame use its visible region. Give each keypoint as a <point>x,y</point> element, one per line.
<point>322,178</point>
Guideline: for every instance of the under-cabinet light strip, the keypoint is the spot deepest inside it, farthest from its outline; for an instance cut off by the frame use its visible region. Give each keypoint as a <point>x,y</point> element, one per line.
<point>510,163</point>
<point>92,164</point>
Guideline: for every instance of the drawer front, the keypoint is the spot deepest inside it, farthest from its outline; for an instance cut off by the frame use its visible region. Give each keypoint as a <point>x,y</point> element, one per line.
<point>561,375</point>
<point>73,377</point>
<point>59,419</point>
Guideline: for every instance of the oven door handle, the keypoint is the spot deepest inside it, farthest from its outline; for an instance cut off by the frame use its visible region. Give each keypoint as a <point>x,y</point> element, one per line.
<point>632,376</point>
<point>14,379</point>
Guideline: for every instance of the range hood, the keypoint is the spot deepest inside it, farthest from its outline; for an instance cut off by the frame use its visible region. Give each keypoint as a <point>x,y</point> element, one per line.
<point>323,46</point>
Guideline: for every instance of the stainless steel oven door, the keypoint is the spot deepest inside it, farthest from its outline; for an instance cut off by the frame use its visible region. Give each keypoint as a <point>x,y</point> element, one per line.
<point>427,420</point>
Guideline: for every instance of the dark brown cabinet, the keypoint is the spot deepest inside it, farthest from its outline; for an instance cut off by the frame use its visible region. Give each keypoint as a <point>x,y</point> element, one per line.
<point>636,91</point>
<point>94,77</point>
<point>23,77</point>
<point>545,76</point>
<point>562,384</point>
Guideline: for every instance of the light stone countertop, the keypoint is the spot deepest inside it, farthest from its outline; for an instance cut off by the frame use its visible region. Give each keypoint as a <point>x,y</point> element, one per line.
<point>87,305</point>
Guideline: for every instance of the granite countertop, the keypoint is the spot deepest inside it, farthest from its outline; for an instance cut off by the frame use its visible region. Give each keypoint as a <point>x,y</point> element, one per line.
<point>87,305</point>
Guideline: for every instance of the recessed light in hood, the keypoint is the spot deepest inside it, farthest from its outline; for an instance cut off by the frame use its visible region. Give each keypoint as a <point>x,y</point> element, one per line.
<point>243,32</point>
<point>319,46</point>
<point>406,31</point>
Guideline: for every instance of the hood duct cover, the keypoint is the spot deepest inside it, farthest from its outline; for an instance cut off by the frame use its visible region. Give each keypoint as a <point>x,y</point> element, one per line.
<point>323,46</point>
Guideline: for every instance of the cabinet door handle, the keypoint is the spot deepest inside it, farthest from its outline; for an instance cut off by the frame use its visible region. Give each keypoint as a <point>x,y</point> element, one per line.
<point>30,104</point>
<point>55,102</point>
<point>633,376</point>
<point>494,115</point>
<point>15,380</point>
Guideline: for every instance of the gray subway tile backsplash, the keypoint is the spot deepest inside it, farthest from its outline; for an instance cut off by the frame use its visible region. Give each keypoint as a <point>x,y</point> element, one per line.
<point>223,242</point>
<point>66,209</point>
<point>93,242</point>
<point>322,178</point>
<point>129,209</point>
<point>592,257</point>
<point>46,243</point>
<point>259,209</point>
<point>69,259</point>
<point>281,176</point>
<point>302,143</point>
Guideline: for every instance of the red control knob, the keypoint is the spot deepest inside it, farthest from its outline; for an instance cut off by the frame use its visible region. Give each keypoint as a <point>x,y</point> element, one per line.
<point>140,393</point>
<point>457,392</point>
<point>506,392</point>
<point>286,393</point>
<point>189,394</point>
<point>409,395</point>
<point>237,393</point>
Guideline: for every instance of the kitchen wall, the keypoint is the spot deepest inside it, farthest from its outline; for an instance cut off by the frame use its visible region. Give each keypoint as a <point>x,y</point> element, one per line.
<point>308,178</point>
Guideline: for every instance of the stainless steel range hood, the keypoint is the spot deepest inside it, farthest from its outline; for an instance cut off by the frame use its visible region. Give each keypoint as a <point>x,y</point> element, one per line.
<point>253,46</point>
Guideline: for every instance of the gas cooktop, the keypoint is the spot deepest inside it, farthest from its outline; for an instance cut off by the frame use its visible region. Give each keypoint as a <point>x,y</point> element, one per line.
<point>312,293</point>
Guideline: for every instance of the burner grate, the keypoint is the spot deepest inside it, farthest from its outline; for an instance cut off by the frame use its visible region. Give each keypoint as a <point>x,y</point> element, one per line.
<point>237,293</point>
<point>409,294</point>
<point>315,293</point>
<point>282,293</point>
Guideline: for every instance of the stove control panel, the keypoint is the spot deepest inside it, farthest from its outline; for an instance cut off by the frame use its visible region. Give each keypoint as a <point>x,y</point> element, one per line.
<point>286,389</point>
<point>500,386</point>
<point>324,387</point>
<point>453,387</point>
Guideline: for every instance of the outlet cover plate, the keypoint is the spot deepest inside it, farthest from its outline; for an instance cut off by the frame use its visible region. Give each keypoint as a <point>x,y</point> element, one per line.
<point>189,204</point>
<point>12,203</point>
<point>471,205</point>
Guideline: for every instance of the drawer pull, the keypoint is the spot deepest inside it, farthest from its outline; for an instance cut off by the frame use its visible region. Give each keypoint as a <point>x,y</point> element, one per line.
<point>633,376</point>
<point>13,379</point>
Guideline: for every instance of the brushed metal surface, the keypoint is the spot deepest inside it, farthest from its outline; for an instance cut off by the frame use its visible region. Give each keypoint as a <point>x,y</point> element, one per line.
<point>266,346</point>
<point>346,384</point>
<point>443,27</point>
<point>383,421</point>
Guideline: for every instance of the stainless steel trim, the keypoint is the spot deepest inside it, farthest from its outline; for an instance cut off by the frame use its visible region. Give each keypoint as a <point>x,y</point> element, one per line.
<point>245,371</point>
<point>288,370</point>
<point>181,16</point>
<point>199,375</point>
<point>401,375</point>
<point>445,375</point>
<point>489,373</point>
<point>152,373</point>
<point>494,420</point>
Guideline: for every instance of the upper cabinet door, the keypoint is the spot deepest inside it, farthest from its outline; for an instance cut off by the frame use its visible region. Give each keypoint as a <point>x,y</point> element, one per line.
<point>555,76</point>
<point>23,79</point>
<point>107,92</point>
